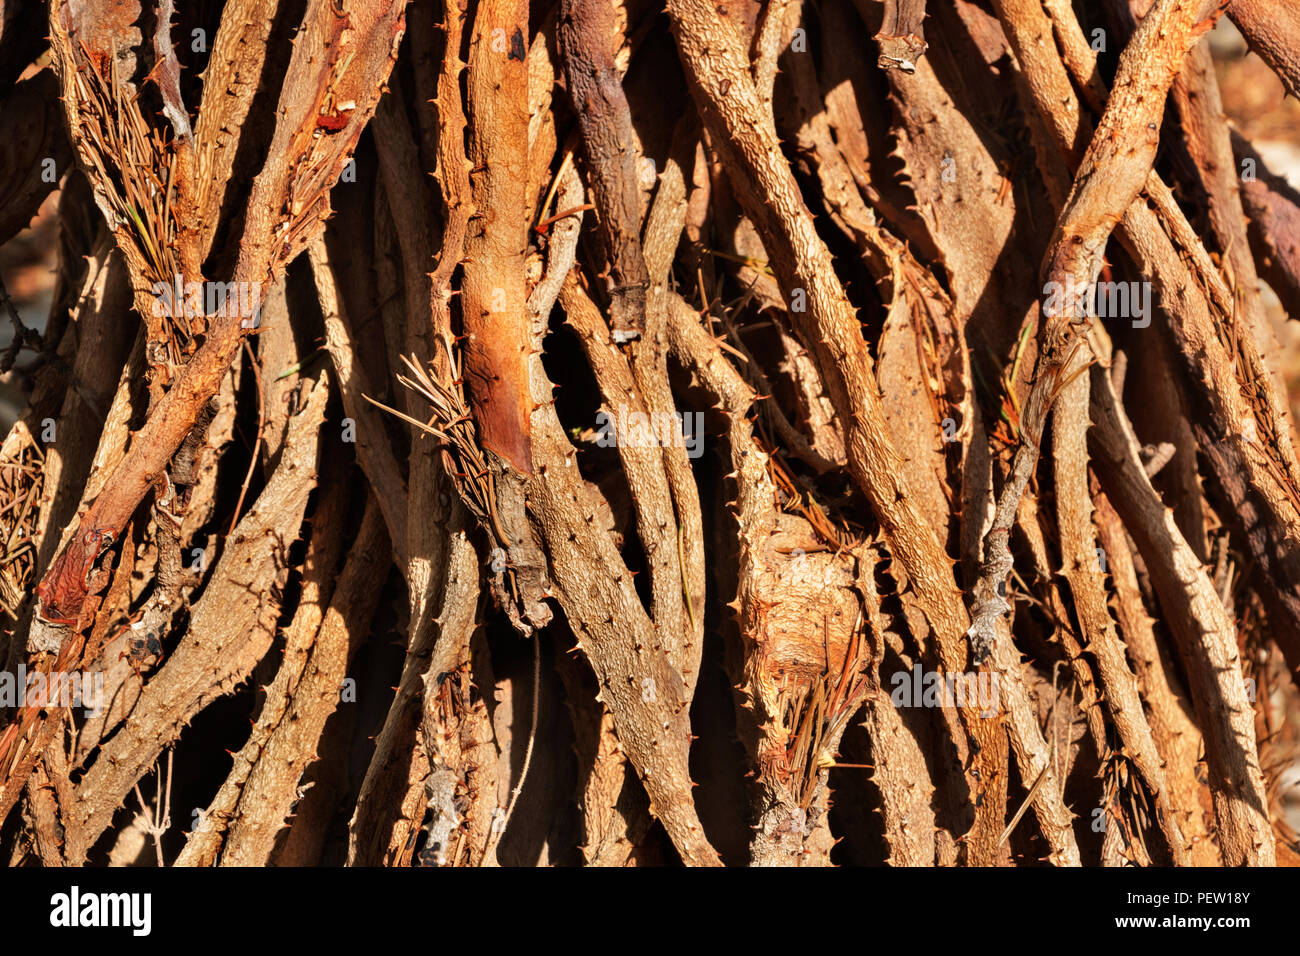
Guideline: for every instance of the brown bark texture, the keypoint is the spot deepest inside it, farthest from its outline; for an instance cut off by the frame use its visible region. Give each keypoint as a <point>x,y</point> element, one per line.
<point>645,433</point>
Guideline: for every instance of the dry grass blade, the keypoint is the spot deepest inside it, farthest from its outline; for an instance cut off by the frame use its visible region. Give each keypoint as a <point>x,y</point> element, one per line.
<point>453,425</point>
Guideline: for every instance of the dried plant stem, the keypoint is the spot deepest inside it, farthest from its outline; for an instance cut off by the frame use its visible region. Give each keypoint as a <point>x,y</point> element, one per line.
<point>1111,174</point>
<point>1206,637</point>
<point>718,70</point>
<point>1083,571</point>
